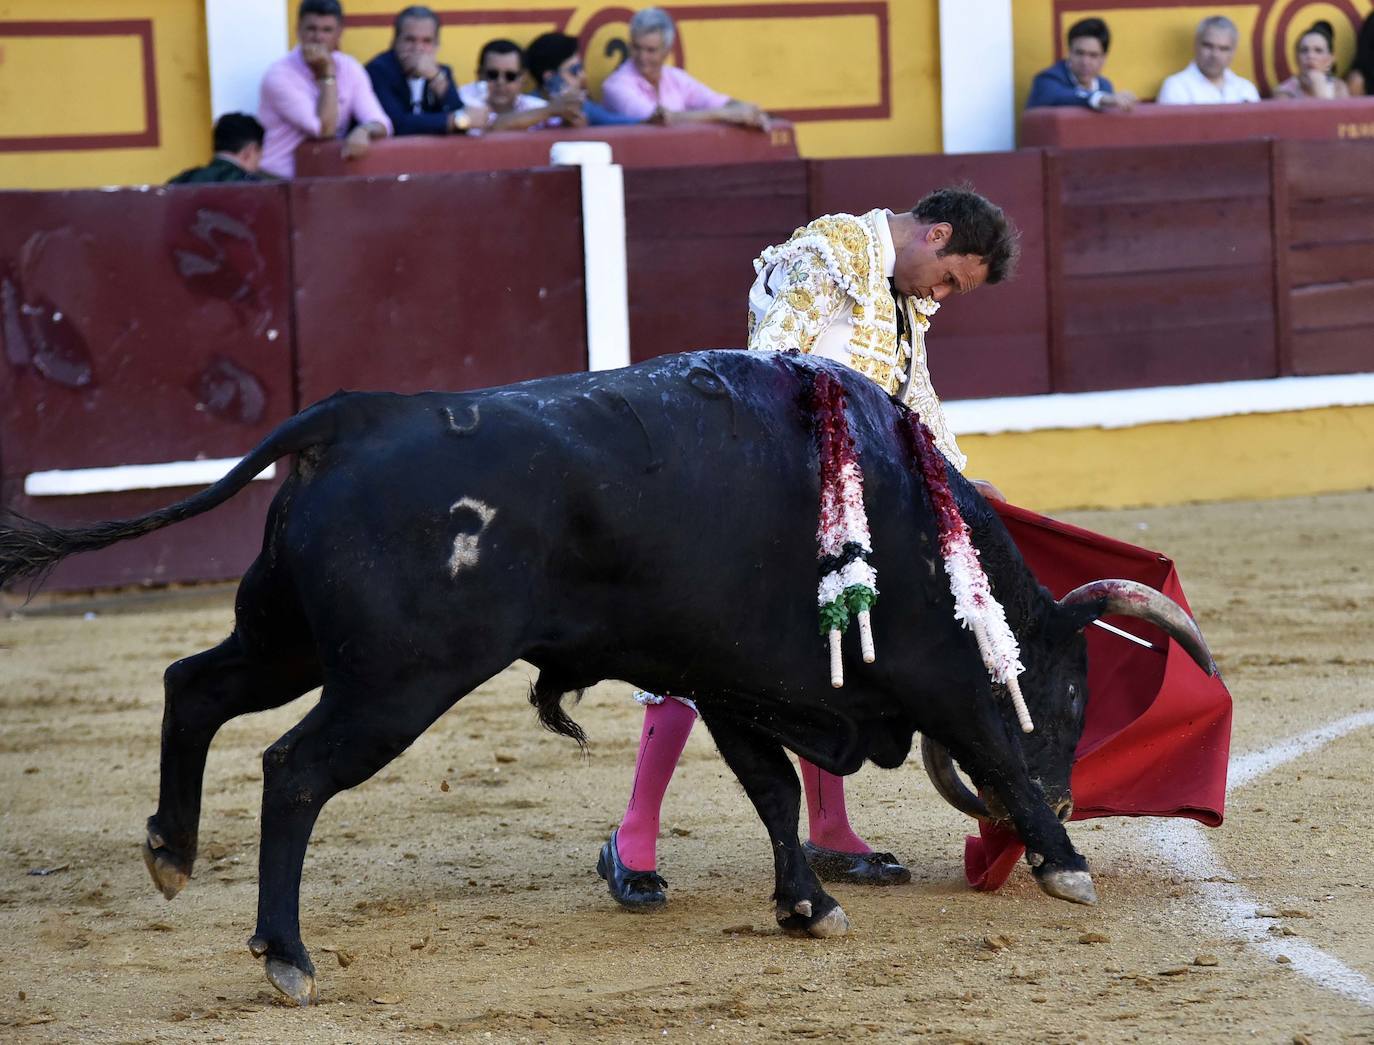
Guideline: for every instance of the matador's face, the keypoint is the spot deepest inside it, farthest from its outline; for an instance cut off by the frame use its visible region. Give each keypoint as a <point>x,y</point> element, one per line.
<point>922,271</point>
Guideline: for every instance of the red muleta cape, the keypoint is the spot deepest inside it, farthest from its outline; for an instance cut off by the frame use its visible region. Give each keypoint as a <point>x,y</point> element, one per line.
<point>1157,733</point>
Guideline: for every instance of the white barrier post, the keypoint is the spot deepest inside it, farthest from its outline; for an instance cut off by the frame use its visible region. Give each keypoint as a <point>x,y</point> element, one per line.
<point>603,250</point>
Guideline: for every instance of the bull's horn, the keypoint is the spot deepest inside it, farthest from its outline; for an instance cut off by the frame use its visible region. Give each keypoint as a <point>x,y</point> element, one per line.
<point>940,768</point>
<point>1133,599</point>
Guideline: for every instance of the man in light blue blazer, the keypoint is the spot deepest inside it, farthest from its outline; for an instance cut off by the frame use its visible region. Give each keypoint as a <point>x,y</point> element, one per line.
<point>1077,80</point>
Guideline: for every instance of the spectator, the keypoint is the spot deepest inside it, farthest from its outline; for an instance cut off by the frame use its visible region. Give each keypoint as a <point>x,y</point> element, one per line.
<point>419,95</point>
<point>1360,79</point>
<point>1208,80</point>
<point>238,153</point>
<point>1316,76</point>
<point>317,91</point>
<point>644,85</point>
<point>557,69</point>
<point>1078,79</point>
<point>500,79</point>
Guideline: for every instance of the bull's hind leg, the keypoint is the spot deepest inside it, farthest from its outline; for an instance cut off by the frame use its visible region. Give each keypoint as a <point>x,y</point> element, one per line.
<point>344,740</point>
<point>769,780</point>
<point>202,693</point>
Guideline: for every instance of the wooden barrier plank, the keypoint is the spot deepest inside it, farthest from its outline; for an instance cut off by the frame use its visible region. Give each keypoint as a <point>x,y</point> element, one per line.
<point>1160,174</point>
<point>1331,262</point>
<point>1329,170</point>
<point>691,239</point>
<point>446,281</point>
<point>1346,351</point>
<point>1334,305</point>
<point>1232,351</point>
<point>1332,221</point>
<point>1177,235</point>
<point>995,342</point>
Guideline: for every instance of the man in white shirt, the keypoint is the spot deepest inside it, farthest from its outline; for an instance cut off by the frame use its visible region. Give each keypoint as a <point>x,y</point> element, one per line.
<point>1208,80</point>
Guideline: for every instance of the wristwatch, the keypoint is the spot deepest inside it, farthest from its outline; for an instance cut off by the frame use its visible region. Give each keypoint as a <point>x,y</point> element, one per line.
<point>462,122</point>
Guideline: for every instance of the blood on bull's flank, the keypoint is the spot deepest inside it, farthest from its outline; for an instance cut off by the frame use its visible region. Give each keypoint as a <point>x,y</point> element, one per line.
<point>620,553</point>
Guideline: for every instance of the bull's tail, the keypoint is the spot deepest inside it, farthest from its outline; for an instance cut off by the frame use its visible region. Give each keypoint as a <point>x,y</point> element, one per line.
<point>29,548</point>
<point>547,695</point>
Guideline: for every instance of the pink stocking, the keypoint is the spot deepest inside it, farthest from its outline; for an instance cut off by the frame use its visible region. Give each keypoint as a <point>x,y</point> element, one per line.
<point>829,823</point>
<point>666,728</point>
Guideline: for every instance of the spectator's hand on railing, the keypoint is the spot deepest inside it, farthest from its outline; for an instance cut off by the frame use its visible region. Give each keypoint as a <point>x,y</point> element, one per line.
<point>567,106</point>
<point>479,117</point>
<point>1120,101</point>
<point>357,143</point>
<point>746,114</point>
<point>319,58</point>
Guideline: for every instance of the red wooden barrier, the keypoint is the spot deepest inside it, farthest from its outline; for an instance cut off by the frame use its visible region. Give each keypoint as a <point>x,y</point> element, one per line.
<point>1326,254</point>
<point>691,238</point>
<point>142,328</point>
<point>1071,127</point>
<point>1161,267</point>
<point>995,342</point>
<point>455,281</point>
<point>695,145</point>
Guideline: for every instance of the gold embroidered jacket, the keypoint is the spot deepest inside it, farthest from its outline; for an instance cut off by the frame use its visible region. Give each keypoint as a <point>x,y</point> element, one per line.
<point>825,291</point>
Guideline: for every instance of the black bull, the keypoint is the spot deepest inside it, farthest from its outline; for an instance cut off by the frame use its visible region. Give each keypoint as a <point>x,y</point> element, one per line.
<point>655,524</point>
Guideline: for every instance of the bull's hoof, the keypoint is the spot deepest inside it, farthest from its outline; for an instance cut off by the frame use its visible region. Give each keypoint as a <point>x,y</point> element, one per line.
<point>295,983</point>
<point>802,921</point>
<point>170,875</point>
<point>1074,886</point>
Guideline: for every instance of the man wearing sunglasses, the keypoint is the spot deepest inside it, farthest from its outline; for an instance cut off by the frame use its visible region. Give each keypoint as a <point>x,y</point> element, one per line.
<point>499,87</point>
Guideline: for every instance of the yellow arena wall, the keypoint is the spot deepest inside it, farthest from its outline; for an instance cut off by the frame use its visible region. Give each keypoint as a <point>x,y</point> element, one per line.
<point>1151,40</point>
<point>101,92</point>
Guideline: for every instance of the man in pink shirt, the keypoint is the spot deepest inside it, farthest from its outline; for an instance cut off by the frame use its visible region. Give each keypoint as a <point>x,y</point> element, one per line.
<point>644,86</point>
<point>317,91</point>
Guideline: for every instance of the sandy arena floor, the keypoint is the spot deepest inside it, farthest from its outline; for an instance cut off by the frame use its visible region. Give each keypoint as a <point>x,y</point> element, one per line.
<point>453,897</point>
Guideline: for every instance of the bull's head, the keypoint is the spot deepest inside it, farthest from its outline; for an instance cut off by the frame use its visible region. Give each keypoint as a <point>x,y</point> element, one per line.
<point>1055,685</point>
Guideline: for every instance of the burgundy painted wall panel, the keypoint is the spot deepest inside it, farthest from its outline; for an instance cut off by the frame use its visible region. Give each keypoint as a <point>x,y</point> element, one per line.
<point>448,281</point>
<point>1327,234</point>
<point>995,342</point>
<point>1164,276</point>
<point>140,328</point>
<point>691,239</point>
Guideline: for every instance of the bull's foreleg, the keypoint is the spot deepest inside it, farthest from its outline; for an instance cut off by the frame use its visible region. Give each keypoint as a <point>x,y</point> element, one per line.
<point>998,763</point>
<point>201,694</point>
<point>769,780</point>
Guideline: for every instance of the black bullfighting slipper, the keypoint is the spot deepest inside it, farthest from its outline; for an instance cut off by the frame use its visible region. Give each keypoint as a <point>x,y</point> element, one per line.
<point>633,890</point>
<point>858,868</point>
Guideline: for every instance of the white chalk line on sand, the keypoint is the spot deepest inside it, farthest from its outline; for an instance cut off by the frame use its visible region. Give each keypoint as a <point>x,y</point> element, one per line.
<point>1184,844</point>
